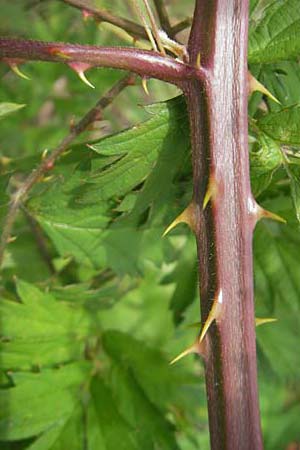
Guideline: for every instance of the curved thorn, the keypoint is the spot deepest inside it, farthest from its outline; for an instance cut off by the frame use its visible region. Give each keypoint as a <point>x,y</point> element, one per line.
<point>210,192</point>
<point>15,68</point>
<point>255,85</point>
<point>145,87</point>
<point>263,320</point>
<point>213,314</point>
<point>84,79</point>
<point>187,216</point>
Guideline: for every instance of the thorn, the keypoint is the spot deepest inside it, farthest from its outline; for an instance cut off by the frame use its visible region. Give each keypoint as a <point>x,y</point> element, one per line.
<point>58,52</point>
<point>255,85</point>
<point>144,84</point>
<point>196,348</point>
<point>187,216</point>
<point>46,179</point>
<point>11,239</point>
<point>210,192</point>
<point>14,66</point>
<point>5,161</point>
<point>80,68</point>
<point>49,166</point>
<point>85,80</point>
<point>213,314</point>
<point>44,154</point>
<point>86,14</point>
<point>198,61</point>
<point>265,214</point>
<point>262,320</point>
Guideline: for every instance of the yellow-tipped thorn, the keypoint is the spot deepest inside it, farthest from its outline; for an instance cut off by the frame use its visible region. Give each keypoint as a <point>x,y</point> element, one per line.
<point>46,179</point>
<point>45,154</point>
<point>145,86</point>
<point>196,348</point>
<point>207,197</point>
<point>265,214</point>
<point>263,320</point>
<point>255,85</point>
<point>198,61</point>
<point>15,68</point>
<point>188,351</point>
<point>210,192</point>
<point>11,239</point>
<point>213,314</point>
<point>82,76</point>
<point>187,216</point>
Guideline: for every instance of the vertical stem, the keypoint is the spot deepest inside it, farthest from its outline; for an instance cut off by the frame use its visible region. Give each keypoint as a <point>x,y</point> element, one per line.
<point>219,134</point>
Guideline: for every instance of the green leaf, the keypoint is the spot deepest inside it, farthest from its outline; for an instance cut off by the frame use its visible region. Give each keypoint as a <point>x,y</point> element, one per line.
<point>277,291</point>
<point>115,430</point>
<point>152,429</point>
<point>265,158</point>
<point>275,32</point>
<point>79,209</point>
<point>9,108</point>
<point>41,331</point>
<point>282,126</point>
<point>280,419</point>
<point>143,384</point>
<point>40,401</point>
<point>68,434</point>
<point>185,279</point>
<point>293,172</point>
<point>150,369</point>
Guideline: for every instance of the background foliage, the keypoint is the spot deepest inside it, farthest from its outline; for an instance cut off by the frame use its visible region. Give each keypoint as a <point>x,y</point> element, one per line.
<point>94,302</point>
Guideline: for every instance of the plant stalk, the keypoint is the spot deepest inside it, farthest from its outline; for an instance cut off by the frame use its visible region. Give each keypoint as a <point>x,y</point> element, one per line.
<point>142,62</point>
<point>219,135</point>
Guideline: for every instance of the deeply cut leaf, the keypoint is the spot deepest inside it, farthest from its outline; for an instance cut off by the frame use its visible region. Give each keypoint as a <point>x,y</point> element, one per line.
<point>275,32</point>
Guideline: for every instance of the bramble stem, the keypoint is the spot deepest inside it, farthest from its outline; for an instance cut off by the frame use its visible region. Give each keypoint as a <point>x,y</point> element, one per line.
<point>47,163</point>
<point>142,62</point>
<point>219,134</point>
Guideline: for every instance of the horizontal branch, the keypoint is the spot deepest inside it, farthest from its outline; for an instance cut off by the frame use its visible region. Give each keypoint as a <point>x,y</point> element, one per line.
<point>136,30</point>
<point>132,28</point>
<point>142,62</point>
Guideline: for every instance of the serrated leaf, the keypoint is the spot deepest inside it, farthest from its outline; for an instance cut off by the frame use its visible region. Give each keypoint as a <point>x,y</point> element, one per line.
<point>185,278</point>
<point>282,79</point>
<point>9,108</point>
<point>116,431</point>
<point>79,210</point>
<point>41,331</point>
<point>68,434</point>
<point>152,429</point>
<point>144,385</point>
<point>265,158</point>
<point>277,292</point>
<point>275,32</point>
<point>160,385</point>
<point>40,401</point>
<point>282,126</point>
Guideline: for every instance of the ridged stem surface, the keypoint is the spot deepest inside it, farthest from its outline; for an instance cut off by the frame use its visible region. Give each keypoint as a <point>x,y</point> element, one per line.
<point>219,134</point>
